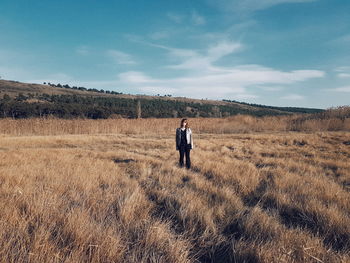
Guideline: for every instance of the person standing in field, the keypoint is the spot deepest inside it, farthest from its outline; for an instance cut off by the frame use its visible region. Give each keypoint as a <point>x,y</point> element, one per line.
<point>184,143</point>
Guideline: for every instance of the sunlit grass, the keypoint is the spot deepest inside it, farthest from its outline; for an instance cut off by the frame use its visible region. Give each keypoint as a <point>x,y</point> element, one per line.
<point>268,197</point>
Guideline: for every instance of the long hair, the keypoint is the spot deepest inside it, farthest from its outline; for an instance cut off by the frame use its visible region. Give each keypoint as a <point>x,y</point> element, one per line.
<point>184,120</point>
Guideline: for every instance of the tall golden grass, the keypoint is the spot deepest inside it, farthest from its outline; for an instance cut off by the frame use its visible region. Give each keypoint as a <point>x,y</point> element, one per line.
<point>111,191</point>
<point>280,197</point>
<point>332,120</point>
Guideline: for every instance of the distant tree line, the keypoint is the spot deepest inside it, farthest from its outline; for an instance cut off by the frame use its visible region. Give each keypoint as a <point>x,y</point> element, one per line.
<point>77,106</point>
<point>66,86</point>
<point>287,109</point>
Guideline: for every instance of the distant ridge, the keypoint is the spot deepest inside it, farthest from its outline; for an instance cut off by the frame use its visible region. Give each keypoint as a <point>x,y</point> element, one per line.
<point>22,100</point>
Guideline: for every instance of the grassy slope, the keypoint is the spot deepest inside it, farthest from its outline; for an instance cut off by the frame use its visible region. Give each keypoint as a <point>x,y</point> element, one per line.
<point>13,88</point>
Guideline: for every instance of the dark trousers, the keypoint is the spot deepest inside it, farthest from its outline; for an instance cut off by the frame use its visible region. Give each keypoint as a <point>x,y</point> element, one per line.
<point>185,150</point>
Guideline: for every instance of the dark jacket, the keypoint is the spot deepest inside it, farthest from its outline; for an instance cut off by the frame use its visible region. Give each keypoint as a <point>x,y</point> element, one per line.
<point>188,137</point>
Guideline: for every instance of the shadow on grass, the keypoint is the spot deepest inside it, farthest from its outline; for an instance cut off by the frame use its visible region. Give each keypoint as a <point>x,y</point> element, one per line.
<point>123,160</point>
<point>294,217</point>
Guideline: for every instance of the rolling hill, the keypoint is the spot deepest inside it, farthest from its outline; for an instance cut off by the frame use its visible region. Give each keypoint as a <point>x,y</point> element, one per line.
<point>21,100</point>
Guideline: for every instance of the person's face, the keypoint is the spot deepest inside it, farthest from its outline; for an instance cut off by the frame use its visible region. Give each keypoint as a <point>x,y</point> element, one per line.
<point>184,124</point>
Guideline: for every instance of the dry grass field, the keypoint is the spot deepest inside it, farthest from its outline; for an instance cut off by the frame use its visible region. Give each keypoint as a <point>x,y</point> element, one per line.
<point>111,191</point>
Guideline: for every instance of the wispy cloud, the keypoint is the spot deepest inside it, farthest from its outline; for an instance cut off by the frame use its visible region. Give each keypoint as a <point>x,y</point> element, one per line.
<point>343,72</point>
<point>177,18</point>
<point>272,88</point>
<point>82,50</point>
<point>195,60</point>
<point>159,35</point>
<point>342,69</point>
<point>293,97</point>
<point>120,57</point>
<point>249,6</point>
<point>343,75</point>
<point>224,83</point>
<point>198,72</point>
<point>173,52</point>
<point>201,77</point>
<point>135,77</point>
<point>245,96</point>
<point>341,89</point>
<point>204,79</point>
<point>191,86</point>
<point>194,18</point>
<point>222,49</point>
<point>197,19</point>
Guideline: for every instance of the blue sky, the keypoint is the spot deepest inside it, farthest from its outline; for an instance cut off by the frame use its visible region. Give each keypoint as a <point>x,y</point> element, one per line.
<point>273,52</point>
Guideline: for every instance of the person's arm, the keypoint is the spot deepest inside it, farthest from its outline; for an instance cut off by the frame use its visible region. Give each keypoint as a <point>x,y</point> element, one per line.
<point>191,140</point>
<point>176,136</point>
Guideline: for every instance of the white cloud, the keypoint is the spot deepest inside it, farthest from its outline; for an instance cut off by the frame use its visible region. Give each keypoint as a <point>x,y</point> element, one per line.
<point>158,90</point>
<point>342,89</point>
<point>203,79</point>
<point>194,18</point>
<point>197,19</point>
<point>133,38</point>
<point>202,61</point>
<point>135,77</point>
<point>199,71</point>
<point>343,72</point>
<point>198,63</point>
<point>249,6</point>
<point>83,50</point>
<point>159,35</point>
<point>342,69</point>
<point>175,52</point>
<point>120,57</point>
<point>271,88</point>
<point>246,96</point>
<point>293,97</point>
<point>230,82</point>
<point>344,75</point>
<point>175,17</point>
<point>222,49</point>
